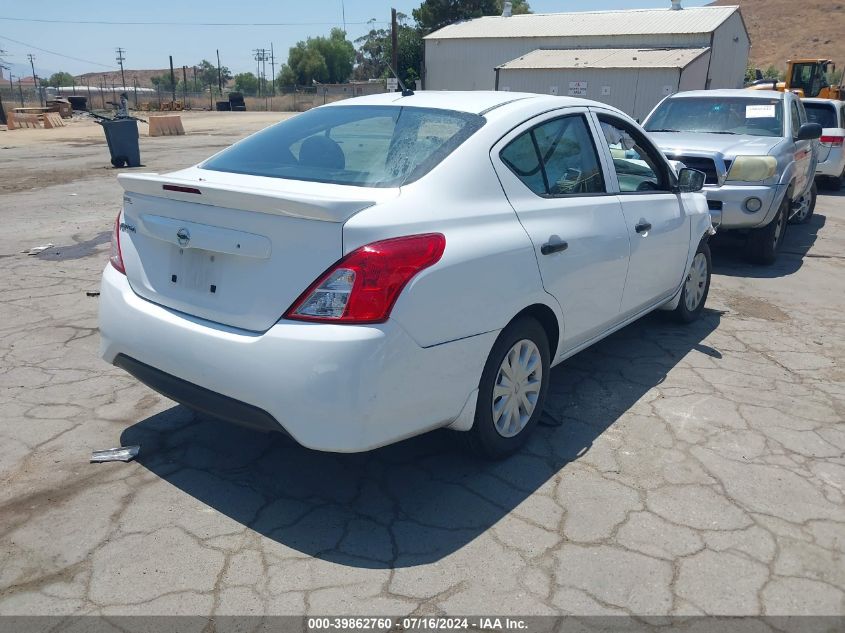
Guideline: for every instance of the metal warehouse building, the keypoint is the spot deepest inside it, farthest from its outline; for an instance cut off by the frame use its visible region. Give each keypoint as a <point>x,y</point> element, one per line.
<point>630,59</point>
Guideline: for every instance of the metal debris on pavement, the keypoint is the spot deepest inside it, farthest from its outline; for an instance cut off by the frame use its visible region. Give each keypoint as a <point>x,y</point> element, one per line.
<point>119,454</point>
<point>37,249</point>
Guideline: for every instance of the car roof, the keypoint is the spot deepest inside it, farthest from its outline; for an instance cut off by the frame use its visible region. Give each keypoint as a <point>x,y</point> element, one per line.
<point>835,102</point>
<point>731,92</point>
<point>471,101</point>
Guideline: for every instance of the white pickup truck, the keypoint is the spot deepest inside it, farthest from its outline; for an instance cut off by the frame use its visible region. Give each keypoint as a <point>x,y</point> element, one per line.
<point>758,153</point>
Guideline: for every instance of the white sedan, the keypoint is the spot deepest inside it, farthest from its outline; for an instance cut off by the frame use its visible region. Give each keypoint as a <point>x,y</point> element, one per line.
<point>374,269</point>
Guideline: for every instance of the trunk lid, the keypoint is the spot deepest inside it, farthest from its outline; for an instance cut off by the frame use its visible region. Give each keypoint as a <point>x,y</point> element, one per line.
<point>230,248</point>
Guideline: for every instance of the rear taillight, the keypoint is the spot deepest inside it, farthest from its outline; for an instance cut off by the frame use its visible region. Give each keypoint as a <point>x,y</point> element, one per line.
<point>363,286</point>
<point>116,256</point>
<point>832,141</point>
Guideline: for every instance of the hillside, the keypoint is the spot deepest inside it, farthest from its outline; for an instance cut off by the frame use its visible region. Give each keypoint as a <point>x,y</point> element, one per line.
<point>143,76</point>
<point>784,29</point>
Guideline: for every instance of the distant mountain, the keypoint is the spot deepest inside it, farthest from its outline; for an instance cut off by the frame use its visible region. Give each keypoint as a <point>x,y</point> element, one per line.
<point>786,29</point>
<point>143,76</point>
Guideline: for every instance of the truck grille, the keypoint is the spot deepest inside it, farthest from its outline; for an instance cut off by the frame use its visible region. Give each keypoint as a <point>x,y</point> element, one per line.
<point>706,165</point>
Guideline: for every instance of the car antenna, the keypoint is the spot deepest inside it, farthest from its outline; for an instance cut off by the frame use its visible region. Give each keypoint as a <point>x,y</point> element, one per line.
<point>406,92</point>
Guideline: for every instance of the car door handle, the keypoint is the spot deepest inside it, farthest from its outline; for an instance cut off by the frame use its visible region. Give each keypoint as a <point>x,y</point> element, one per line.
<point>548,248</point>
<point>643,227</point>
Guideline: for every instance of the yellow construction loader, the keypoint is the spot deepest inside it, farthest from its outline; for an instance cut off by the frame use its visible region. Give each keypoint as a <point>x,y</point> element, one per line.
<point>806,77</point>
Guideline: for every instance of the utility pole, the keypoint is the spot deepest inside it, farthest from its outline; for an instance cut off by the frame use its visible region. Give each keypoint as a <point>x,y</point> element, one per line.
<point>184,86</point>
<point>273,69</point>
<point>394,42</point>
<point>219,75</point>
<point>343,13</point>
<point>260,56</point>
<point>35,79</point>
<point>172,84</point>
<point>119,60</point>
<point>2,68</point>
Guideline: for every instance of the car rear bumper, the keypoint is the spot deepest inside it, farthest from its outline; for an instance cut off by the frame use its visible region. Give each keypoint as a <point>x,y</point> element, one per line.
<point>330,387</point>
<point>728,202</point>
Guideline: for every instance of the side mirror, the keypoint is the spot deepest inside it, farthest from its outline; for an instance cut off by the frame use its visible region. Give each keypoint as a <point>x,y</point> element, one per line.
<point>809,132</point>
<point>690,180</point>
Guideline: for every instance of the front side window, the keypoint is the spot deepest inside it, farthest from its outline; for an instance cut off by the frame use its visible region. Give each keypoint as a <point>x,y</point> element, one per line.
<point>556,158</point>
<point>718,115</point>
<point>637,164</point>
<point>365,146</point>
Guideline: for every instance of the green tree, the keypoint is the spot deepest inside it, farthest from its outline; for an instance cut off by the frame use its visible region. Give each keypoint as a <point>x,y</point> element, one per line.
<point>207,73</point>
<point>162,82</point>
<point>322,59</point>
<point>435,14</point>
<point>246,83</point>
<point>61,79</point>
<point>375,51</point>
<point>773,73</point>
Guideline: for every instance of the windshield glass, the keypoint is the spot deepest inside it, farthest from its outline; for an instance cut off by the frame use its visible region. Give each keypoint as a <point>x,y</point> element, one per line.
<point>822,113</point>
<point>366,146</point>
<point>719,115</point>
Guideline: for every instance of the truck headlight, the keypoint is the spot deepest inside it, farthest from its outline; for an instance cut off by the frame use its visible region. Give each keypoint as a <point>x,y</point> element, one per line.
<point>752,168</point>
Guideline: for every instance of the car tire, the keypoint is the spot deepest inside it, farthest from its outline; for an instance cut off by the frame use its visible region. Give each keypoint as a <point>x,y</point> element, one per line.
<point>764,243</point>
<point>500,428</point>
<point>696,286</point>
<point>834,183</point>
<point>805,213</point>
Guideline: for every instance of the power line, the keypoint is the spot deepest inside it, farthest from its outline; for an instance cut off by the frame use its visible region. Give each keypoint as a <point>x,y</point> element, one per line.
<point>49,52</point>
<point>144,23</point>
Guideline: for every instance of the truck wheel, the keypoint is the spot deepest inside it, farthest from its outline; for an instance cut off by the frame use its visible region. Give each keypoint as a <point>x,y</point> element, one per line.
<point>512,390</point>
<point>696,286</point>
<point>764,243</point>
<point>806,206</point>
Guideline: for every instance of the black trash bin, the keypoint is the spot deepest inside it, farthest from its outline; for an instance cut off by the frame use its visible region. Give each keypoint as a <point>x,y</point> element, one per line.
<point>122,137</point>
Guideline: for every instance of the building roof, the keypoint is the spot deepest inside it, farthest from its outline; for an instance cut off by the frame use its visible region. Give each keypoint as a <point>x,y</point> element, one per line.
<point>590,23</point>
<point>606,58</point>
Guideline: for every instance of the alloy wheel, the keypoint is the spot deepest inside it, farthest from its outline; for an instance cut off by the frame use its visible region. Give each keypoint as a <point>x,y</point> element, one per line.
<point>803,207</point>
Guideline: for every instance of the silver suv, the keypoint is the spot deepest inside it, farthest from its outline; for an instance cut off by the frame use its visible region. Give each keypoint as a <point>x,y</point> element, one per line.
<point>757,151</point>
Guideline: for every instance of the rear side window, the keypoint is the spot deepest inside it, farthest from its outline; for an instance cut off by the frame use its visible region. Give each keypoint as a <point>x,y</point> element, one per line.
<point>366,146</point>
<point>557,158</point>
<point>822,113</point>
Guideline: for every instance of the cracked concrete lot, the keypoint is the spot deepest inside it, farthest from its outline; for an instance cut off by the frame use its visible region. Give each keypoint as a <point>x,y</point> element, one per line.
<point>696,470</point>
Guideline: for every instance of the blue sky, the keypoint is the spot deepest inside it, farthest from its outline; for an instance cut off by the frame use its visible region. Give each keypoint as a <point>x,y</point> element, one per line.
<point>149,46</point>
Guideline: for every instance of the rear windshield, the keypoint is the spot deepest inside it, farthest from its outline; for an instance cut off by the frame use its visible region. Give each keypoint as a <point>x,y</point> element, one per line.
<point>719,115</point>
<point>366,146</point>
<point>822,113</point>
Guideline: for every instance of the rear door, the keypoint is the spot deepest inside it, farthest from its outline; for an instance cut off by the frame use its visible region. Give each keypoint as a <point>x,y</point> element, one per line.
<point>657,224</point>
<point>551,173</point>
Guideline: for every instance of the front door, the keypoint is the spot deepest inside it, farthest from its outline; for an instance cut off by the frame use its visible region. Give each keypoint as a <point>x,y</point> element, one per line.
<point>657,224</point>
<point>550,171</point>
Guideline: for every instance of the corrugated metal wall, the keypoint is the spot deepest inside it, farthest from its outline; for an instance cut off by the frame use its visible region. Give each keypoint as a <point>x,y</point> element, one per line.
<point>453,64</point>
<point>634,91</point>
<point>730,54</point>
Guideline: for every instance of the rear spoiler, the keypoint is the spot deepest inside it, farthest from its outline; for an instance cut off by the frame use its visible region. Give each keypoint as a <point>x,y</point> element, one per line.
<point>262,200</point>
